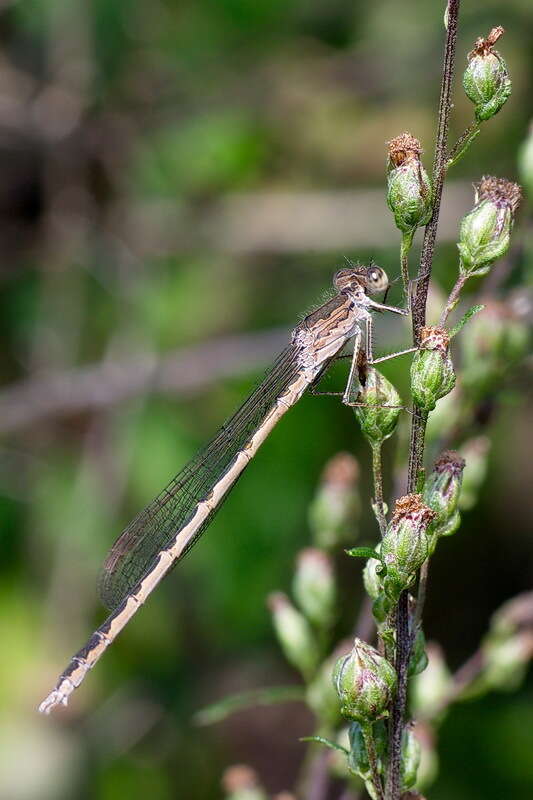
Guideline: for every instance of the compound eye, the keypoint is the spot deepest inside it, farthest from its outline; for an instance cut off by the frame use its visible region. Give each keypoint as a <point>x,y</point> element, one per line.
<point>377,279</point>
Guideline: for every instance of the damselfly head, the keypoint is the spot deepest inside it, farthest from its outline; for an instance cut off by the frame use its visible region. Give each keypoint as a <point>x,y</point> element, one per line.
<point>371,279</point>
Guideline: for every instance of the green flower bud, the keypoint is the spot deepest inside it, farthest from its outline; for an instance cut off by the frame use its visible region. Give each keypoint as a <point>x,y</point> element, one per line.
<point>525,164</point>
<point>431,688</point>
<point>508,647</point>
<point>506,660</point>
<point>364,681</point>
<point>294,634</point>
<point>486,80</point>
<point>409,194</point>
<point>321,696</point>
<point>405,545</point>
<point>485,231</point>
<point>314,586</point>
<point>377,422</point>
<point>442,491</point>
<point>336,507</point>
<point>432,373</point>
<point>497,339</point>
<point>410,758</point>
<point>371,576</point>
<point>475,452</point>
<point>240,782</point>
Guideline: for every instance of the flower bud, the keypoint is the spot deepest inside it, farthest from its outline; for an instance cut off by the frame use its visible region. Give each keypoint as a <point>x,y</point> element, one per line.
<point>294,634</point>
<point>497,339</point>
<point>432,373</point>
<point>336,507</point>
<point>321,696</point>
<point>431,688</point>
<point>371,576</point>
<point>486,80</point>
<point>475,452</point>
<point>314,586</point>
<point>525,164</point>
<point>240,782</point>
<point>364,681</point>
<point>485,231</point>
<point>405,545</point>
<point>377,422</point>
<point>442,490</point>
<point>409,194</point>
<point>506,660</point>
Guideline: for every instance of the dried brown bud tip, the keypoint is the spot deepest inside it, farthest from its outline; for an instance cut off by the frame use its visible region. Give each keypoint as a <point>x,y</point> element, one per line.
<point>411,506</point>
<point>449,461</point>
<point>341,471</point>
<point>483,46</point>
<point>404,148</point>
<point>434,339</point>
<point>500,191</point>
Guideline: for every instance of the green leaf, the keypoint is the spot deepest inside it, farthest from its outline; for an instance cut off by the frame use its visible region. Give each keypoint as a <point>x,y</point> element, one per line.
<point>363,552</point>
<point>325,742</point>
<point>462,322</point>
<point>264,696</point>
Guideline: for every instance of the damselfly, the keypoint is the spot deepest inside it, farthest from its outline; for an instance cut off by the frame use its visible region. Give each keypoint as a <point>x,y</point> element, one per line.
<point>165,531</point>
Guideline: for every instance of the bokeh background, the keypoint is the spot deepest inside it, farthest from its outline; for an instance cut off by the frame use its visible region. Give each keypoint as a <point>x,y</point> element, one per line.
<point>179,181</point>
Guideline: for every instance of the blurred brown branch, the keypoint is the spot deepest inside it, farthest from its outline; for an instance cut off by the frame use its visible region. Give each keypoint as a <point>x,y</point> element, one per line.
<point>99,386</point>
<point>274,221</point>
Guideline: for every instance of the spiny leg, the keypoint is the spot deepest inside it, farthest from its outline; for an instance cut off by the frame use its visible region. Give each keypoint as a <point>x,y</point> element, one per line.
<point>353,384</point>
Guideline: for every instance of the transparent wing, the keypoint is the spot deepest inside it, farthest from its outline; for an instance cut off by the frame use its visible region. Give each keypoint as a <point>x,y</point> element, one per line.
<point>153,529</point>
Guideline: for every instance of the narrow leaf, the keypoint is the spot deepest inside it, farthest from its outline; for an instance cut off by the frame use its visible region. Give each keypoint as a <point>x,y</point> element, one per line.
<point>264,696</point>
<point>325,742</point>
<point>363,552</point>
<point>462,322</point>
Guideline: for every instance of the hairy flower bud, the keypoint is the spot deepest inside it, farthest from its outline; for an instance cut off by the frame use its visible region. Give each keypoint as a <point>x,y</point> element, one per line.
<point>294,634</point>
<point>432,373</point>
<point>409,194</point>
<point>431,688</point>
<point>405,545</point>
<point>371,576</point>
<point>314,586</point>
<point>364,681</point>
<point>442,490</point>
<point>486,80</point>
<point>497,339</point>
<point>475,452</point>
<point>381,406</point>
<point>525,164</point>
<point>336,507</point>
<point>485,231</point>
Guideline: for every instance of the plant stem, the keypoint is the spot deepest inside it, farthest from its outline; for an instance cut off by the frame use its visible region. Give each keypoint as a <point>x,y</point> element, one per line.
<point>439,169</point>
<point>405,246</point>
<point>366,729</point>
<point>377,472</point>
<point>453,298</point>
<point>463,143</point>
<point>418,428</point>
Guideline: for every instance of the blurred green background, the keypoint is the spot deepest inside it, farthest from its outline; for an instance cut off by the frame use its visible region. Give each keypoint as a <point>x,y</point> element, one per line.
<point>179,182</point>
